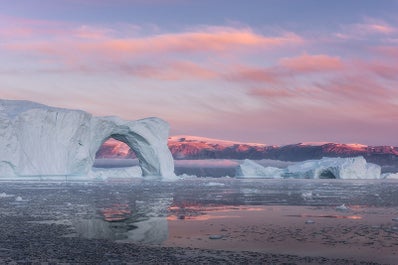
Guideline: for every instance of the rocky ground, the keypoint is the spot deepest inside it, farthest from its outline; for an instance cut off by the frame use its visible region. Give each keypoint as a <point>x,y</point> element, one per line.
<point>24,243</point>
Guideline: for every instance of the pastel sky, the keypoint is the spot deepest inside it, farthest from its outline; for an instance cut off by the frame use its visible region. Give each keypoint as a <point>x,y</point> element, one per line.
<point>268,71</point>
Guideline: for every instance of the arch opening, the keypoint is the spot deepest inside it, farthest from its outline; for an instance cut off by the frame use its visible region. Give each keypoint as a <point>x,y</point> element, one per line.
<point>115,153</point>
<point>327,174</point>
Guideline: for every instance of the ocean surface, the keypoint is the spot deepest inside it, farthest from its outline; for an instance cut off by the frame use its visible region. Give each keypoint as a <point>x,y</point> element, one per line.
<point>351,219</point>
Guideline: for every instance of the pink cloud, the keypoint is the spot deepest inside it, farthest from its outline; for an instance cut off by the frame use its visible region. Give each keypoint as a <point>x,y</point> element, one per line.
<point>391,52</point>
<point>15,29</point>
<point>336,109</point>
<point>89,40</point>
<point>374,27</point>
<point>312,63</point>
<point>354,94</point>
<point>176,70</point>
<point>248,74</point>
<point>273,93</point>
<point>98,49</point>
<point>207,40</point>
<point>369,28</point>
<point>91,33</point>
<point>385,70</point>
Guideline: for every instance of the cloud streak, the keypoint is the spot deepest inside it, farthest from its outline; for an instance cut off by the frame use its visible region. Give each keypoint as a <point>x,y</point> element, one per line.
<point>212,76</point>
<point>312,63</point>
<point>92,40</point>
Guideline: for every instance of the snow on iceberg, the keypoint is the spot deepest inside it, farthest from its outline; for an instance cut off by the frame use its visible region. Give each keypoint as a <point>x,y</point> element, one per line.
<point>251,169</point>
<point>38,140</point>
<point>325,168</point>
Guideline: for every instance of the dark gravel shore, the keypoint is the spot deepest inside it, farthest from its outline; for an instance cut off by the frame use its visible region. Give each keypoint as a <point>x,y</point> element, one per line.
<point>25,243</point>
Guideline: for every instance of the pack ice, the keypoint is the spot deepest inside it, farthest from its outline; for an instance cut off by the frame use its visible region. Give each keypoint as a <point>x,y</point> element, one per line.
<point>327,167</point>
<point>38,140</point>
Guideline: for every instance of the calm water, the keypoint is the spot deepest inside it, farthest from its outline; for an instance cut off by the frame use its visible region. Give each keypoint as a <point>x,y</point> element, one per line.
<point>217,213</point>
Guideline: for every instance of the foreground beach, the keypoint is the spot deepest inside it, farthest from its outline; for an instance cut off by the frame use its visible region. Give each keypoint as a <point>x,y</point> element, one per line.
<point>200,221</point>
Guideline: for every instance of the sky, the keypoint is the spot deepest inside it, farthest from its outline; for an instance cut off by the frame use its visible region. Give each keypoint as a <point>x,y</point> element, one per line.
<point>267,71</point>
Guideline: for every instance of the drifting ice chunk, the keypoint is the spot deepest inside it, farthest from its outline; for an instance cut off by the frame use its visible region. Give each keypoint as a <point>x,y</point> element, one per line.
<point>307,195</point>
<point>342,208</point>
<point>253,170</point>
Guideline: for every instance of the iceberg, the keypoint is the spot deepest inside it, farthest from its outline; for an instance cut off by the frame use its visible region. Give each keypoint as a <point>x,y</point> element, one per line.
<point>252,169</point>
<point>38,140</point>
<point>325,168</point>
<point>390,176</point>
<point>334,168</point>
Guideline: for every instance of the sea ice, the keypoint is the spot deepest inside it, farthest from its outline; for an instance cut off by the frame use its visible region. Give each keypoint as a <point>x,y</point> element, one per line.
<point>215,184</point>
<point>307,195</point>
<point>5,195</point>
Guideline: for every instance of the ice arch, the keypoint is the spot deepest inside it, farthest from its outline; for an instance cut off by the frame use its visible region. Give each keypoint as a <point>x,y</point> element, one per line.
<point>39,140</point>
<point>326,174</point>
<point>146,137</point>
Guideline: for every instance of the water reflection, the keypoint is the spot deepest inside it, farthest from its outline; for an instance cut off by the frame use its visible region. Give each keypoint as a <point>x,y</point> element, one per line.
<point>119,222</point>
<point>158,213</point>
<point>353,217</point>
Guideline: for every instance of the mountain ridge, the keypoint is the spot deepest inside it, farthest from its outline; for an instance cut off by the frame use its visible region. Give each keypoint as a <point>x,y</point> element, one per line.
<point>185,147</point>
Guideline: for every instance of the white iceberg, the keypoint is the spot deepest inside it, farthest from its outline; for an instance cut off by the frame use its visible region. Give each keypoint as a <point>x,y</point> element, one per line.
<point>38,140</point>
<point>390,176</point>
<point>335,168</point>
<point>325,168</point>
<point>252,169</point>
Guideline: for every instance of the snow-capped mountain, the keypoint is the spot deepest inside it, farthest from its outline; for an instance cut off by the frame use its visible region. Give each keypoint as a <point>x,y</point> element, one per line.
<point>193,147</point>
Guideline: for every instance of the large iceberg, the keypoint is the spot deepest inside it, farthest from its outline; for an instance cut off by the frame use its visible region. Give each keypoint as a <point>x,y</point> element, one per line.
<point>38,140</point>
<point>325,168</point>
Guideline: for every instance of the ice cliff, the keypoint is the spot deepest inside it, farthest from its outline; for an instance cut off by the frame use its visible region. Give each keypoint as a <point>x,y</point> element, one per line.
<point>38,140</point>
<point>331,168</point>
